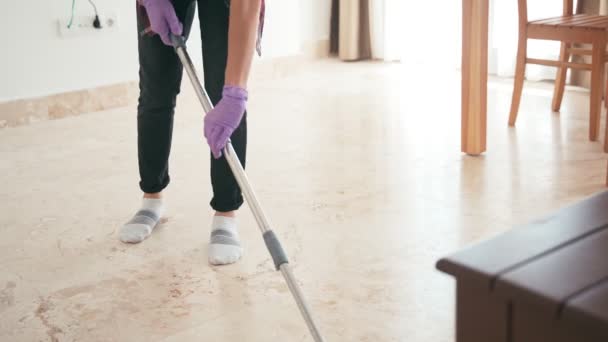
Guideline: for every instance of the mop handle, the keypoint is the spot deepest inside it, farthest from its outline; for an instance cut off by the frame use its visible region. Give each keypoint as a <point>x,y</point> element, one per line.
<point>272,242</point>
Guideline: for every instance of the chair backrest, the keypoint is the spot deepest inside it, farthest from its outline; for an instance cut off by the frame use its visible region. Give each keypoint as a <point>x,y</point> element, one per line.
<point>522,6</point>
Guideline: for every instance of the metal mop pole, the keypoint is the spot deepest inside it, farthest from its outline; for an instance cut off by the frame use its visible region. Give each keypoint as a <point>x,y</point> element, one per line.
<point>272,242</point>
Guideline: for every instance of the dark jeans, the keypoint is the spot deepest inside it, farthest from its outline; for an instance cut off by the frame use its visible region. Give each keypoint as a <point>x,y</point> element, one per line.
<point>160,75</point>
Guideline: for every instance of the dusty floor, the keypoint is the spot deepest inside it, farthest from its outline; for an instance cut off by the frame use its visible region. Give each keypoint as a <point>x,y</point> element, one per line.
<point>358,166</point>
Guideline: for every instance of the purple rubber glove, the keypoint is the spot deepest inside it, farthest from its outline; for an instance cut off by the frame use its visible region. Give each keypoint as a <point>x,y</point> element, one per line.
<point>163,19</point>
<point>221,122</point>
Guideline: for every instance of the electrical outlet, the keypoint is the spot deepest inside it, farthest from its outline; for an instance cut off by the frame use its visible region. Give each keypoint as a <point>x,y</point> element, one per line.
<point>83,25</point>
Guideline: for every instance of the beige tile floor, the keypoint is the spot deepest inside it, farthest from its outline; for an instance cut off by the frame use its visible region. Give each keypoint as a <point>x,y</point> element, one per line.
<point>359,168</point>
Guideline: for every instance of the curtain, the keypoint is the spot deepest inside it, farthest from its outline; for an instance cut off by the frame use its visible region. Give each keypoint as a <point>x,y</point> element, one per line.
<point>350,36</point>
<point>366,29</point>
<point>397,30</point>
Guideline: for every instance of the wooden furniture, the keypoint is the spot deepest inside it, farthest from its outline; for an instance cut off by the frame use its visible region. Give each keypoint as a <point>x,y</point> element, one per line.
<point>547,281</point>
<point>582,78</point>
<point>568,28</point>
<point>474,76</point>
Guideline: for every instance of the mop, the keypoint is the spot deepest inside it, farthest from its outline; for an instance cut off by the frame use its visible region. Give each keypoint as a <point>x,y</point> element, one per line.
<point>272,242</point>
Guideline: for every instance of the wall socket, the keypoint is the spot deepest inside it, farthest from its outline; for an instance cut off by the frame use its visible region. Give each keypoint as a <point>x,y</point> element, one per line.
<point>83,25</point>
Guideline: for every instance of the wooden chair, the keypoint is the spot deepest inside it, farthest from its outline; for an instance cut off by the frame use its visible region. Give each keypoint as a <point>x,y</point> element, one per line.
<point>569,29</point>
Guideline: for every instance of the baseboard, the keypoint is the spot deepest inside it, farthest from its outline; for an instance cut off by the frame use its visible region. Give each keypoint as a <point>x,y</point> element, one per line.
<point>26,111</point>
<point>317,49</point>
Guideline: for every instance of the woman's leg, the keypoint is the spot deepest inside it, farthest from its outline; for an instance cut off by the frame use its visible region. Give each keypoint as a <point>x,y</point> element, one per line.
<point>227,198</point>
<point>160,74</point>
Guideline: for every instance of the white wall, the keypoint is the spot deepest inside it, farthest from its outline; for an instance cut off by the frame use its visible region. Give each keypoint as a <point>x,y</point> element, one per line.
<point>35,61</point>
<point>282,32</point>
<point>315,16</point>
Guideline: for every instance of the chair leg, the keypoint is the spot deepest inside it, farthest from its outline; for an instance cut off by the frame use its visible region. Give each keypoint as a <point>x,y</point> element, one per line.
<point>518,84</point>
<point>560,78</point>
<point>597,80</point>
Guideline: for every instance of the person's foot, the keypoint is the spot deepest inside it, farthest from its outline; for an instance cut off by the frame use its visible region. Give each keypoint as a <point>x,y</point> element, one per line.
<point>144,221</point>
<point>224,245</point>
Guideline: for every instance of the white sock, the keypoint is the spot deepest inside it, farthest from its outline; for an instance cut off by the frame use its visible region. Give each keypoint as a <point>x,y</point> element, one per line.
<point>224,246</point>
<point>144,221</point>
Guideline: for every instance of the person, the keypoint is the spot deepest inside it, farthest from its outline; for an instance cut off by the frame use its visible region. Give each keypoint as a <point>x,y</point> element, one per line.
<point>230,32</point>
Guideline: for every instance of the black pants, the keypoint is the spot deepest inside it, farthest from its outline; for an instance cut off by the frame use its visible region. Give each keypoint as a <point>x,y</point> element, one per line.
<point>160,75</point>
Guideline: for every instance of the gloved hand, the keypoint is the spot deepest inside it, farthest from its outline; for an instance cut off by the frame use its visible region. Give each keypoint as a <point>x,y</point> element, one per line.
<point>163,19</point>
<point>221,122</point>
